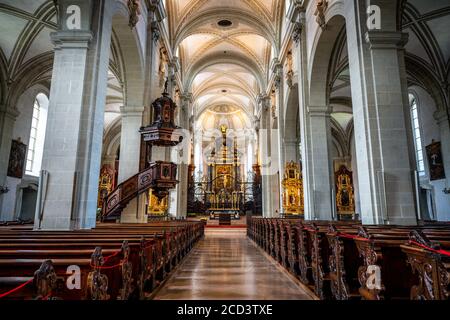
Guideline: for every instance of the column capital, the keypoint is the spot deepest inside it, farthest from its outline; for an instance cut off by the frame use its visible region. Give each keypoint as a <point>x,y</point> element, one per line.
<point>11,113</point>
<point>187,97</point>
<point>386,40</point>
<point>156,7</point>
<point>264,101</point>
<point>71,39</point>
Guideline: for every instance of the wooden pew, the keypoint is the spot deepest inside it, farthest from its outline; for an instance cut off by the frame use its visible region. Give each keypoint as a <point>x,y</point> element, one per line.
<point>146,256</point>
<point>430,264</point>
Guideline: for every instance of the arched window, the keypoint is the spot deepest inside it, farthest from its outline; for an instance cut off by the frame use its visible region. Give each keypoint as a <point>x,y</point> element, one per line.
<point>417,134</point>
<point>37,135</point>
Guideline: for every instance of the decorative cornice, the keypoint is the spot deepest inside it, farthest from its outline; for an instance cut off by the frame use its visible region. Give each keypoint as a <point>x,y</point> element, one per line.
<point>71,39</point>
<point>386,40</point>
<point>131,111</point>
<point>319,111</point>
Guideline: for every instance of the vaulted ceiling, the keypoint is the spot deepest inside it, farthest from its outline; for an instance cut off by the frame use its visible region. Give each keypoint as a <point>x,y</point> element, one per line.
<point>25,38</point>
<point>225,49</point>
<point>427,23</point>
<point>25,29</point>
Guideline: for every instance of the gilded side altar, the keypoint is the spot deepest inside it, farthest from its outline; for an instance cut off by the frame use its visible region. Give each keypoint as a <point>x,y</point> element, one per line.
<point>293,202</point>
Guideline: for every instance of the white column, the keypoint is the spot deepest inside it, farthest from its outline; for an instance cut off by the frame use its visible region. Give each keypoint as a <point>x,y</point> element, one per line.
<point>130,142</point>
<point>130,146</point>
<point>266,160</point>
<point>280,150</point>
<point>315,136</point>
<point>318,162</point>
<point>72,150</point>
<point>380,108</point>
<point>183,158</point>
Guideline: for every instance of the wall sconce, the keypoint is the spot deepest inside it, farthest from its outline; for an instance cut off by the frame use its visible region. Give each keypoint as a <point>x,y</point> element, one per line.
<point>3,190</point>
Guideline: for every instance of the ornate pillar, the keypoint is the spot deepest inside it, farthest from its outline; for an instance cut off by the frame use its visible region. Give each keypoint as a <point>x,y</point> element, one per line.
<point>72,152</point>
<point>381,115</point>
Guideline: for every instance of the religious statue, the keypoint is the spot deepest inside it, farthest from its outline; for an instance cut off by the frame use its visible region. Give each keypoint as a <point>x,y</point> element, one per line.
<point>321,7</point>
<point>134,10</point>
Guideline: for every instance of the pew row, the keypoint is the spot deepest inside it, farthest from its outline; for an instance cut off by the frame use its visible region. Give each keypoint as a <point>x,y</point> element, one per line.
<point>111,262</point>
<point>343,260</point>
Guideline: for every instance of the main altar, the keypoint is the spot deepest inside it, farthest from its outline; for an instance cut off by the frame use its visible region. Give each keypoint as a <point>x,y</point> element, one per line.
<point>224,188</point>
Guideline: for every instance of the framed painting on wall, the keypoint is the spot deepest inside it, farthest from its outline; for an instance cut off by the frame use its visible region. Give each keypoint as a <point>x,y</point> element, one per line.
<point>17,159</point>
<point>435,162</point>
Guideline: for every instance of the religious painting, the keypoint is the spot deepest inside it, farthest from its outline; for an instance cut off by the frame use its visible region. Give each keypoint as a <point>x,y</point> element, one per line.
<point>223,175</point>
<point>435,161</point>
<point>17,159</point>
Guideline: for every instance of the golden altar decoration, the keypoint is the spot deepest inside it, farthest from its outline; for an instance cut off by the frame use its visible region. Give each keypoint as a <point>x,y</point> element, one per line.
<point>155,206</point>
<point>106,184</point>
<point>345,200</point>
<point>224,174</point>
<point>293,202</point>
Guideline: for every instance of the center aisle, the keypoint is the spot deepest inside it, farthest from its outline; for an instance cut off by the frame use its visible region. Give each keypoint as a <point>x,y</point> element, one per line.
<point>226,265</point>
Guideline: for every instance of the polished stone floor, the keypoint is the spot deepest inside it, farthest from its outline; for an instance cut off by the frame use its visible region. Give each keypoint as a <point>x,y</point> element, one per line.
<point>226,265</point>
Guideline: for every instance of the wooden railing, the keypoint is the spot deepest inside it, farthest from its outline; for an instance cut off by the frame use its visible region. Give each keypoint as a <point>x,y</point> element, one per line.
<point>158,175</point>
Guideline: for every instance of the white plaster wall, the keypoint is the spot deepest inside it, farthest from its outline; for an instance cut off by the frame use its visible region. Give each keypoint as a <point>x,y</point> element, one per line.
<point>21,130</point>
<point>430,130</point>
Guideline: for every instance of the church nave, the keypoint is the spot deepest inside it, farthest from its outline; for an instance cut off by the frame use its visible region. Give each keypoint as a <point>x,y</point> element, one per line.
<point>226,265</point>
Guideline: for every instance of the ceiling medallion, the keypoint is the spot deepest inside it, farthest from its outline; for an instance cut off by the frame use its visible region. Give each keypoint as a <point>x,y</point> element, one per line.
<point>224,23</point>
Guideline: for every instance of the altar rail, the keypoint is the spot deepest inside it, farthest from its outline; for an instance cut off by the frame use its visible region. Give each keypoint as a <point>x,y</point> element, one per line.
<point>345,260</point>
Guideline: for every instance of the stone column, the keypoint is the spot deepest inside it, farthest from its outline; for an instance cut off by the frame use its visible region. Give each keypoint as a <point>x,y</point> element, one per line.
<point>280,150</point>
<point>291,150</point>
<point>381,116</point>
<point>7,120</point>
<point>317,160</point>
<point>130,146</point>
<point>315,134</point>
<point>153,35</point>
<point>266,161</point>
<point>72,151</point>
<point>183,156</point>
<point>442,119</point>
<point>130,142</point>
